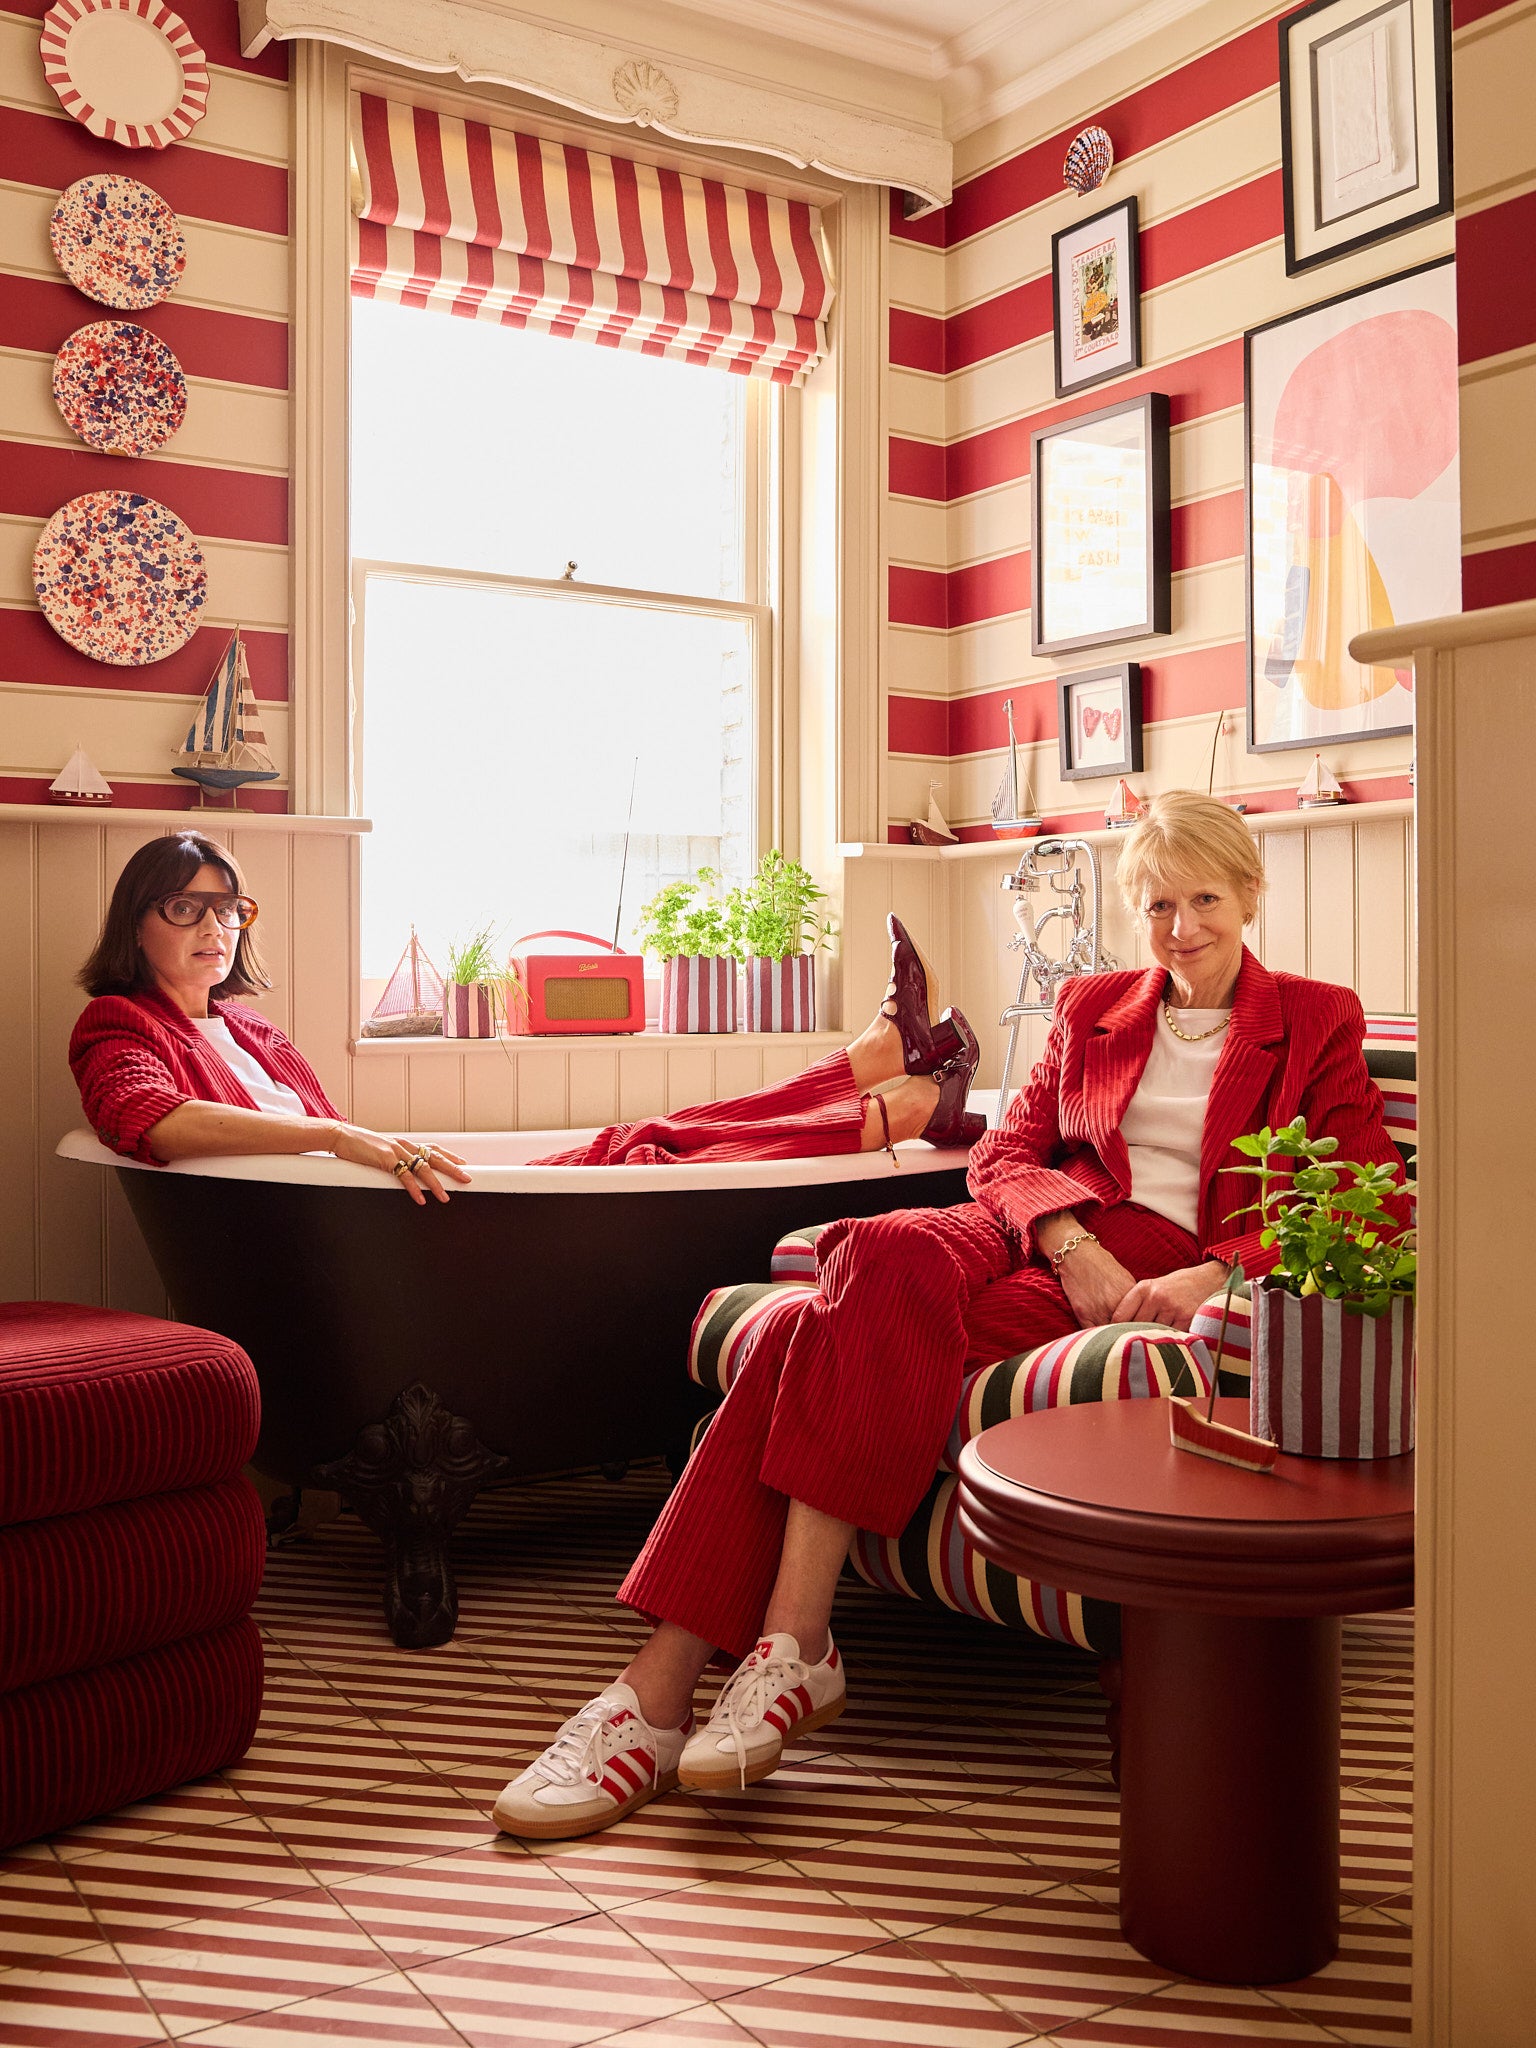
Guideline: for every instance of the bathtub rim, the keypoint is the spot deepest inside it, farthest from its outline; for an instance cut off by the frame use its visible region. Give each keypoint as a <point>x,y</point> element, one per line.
<point>320,1170</point>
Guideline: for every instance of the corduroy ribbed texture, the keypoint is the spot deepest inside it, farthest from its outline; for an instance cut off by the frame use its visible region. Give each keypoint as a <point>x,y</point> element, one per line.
<point>82,1745</point>
<point>813,1113</point>
<point>98,1405</point>
<point>846,1397</point>
<point>81,1590</point>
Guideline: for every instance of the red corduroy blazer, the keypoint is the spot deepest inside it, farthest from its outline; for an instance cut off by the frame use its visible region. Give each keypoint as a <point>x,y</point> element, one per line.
<point>1293,1048</point>
<point>136,1058</point>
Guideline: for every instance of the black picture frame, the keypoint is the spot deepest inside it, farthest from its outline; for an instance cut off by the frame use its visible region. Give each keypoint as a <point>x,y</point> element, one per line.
<point>1430,32</point>
<point>1310,741</point>
<point>1153,612</point>
<point>1125,211</point>
<point>1126,676</point>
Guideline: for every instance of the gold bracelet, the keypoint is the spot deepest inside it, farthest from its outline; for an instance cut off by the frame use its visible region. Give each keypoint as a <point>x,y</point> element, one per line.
<point>1071,1245</point>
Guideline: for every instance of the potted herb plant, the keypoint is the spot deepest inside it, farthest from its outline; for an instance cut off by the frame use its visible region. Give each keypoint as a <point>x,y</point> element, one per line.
<point>691,930</point>
<point>780,930</point>
<point>474,988</point>
<point>1333,1324</point>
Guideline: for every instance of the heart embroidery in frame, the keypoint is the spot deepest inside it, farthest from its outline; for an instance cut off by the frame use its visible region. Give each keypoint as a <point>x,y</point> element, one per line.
<point>1091,716</point>
<point>1112,725</point>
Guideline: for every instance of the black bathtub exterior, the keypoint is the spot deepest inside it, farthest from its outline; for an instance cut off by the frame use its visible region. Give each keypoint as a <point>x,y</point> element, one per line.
<point>408,1356</point>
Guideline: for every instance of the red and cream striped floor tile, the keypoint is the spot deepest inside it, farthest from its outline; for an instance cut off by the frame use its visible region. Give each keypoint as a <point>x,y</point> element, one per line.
<point>935,1869</point>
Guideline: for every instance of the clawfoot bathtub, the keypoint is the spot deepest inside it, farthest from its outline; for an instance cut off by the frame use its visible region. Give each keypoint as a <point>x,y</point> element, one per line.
<point>536,1323</point>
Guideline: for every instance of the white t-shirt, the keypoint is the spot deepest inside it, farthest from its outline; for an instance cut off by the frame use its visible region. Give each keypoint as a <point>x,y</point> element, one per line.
<point>268,1095</point>
<point>1165,1119</point>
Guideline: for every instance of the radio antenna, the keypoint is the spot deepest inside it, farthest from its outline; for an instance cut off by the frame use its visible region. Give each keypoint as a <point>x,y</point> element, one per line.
<point>618,914</point>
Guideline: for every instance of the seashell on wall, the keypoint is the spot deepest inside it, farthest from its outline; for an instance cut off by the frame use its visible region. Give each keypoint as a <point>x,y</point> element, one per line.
<point>645,93</point>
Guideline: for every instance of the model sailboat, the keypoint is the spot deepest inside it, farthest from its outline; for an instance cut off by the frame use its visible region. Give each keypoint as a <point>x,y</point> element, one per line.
<point>1130,808</point>
<point>412,1003</point>
<point>1320,787</point>
<point>1013,817</point>
<point>80,782</point>
<point>225,745</point>
<point>934,829</point>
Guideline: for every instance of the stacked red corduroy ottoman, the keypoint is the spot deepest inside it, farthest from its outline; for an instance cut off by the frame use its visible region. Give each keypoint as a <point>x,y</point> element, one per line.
<point>130,1555</point>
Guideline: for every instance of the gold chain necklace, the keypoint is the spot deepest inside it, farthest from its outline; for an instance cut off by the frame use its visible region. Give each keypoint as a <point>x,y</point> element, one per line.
<point>1193,1037</point>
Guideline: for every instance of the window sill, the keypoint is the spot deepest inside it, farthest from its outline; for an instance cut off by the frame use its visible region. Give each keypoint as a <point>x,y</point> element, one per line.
<point>549,1047</point>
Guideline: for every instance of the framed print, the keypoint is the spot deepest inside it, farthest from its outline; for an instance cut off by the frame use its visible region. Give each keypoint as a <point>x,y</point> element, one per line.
<point>1364,123</point>
<point>1354,507</point>
<point>1099,491</point>
<point>1096,298</point>
<point>1099,720</point>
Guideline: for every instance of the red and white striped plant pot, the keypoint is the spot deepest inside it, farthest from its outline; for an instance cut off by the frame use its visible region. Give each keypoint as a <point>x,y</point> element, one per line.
<point>471,1009</point>
<point>781,994</point>
<point>698,993</point>
<point>1327,1384</point>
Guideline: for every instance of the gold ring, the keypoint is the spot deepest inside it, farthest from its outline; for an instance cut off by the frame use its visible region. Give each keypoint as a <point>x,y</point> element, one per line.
<point>423,1156</point>
<point>400,1166</point>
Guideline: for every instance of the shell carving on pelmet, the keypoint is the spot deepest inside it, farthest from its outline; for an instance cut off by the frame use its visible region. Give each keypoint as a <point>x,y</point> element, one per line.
<point>645,93</point>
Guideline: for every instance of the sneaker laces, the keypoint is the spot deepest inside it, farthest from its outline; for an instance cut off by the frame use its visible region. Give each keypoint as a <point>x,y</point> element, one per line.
<point>749,1692</point>
<point>570,1756</point>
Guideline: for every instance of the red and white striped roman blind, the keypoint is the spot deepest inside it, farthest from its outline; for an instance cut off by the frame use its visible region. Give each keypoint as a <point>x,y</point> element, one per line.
<point>462,218</point>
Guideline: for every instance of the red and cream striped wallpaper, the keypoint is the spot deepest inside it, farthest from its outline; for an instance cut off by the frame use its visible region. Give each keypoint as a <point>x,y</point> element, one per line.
<point>225,473</point>
<point>1492,64</point>
<point>1194,115</point>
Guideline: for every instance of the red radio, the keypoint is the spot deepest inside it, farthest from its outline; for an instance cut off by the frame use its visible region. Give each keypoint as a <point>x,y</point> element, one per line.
<point>560,994</point>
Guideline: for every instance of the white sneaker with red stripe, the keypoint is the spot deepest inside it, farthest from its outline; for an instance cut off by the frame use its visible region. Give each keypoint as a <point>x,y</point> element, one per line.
<point>769,1701</point>
<point>606,1761</point>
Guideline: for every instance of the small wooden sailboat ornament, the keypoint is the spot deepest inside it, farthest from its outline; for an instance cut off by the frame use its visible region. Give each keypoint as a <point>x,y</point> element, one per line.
<point>1319,787</point>
<point>1189,1430</point>
<point>1014,817</point>
<point>79,782</point>
<point>1130,808</point>
<point>934,829</point>
<point>225,745</point>
<point>412,1003</point>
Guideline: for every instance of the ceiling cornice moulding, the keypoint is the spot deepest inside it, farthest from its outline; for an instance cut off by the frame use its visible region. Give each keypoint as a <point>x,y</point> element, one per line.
<point>621,84</point>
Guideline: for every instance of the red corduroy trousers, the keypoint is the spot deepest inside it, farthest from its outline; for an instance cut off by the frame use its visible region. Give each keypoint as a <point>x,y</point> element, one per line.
<point>848,1395</point>
<point>813,1113</point>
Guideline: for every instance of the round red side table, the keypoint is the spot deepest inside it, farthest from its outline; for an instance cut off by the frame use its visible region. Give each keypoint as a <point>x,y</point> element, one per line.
<point>1231,1584</point>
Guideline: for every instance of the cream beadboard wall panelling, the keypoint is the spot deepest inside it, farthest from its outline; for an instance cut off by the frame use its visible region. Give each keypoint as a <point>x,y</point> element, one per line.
<point>225,473</point>
<point>1194,116</point>
<point>1493,59</point>
<point>1339,907</point>
<point>65,1233</point>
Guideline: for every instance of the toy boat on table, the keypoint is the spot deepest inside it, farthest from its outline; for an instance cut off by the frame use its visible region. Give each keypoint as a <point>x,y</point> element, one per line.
<point>1014,817</point>
<point>1189,1430</point>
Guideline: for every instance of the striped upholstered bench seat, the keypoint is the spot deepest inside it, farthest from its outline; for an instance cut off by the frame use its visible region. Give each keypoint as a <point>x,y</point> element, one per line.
<point>930,1560</point>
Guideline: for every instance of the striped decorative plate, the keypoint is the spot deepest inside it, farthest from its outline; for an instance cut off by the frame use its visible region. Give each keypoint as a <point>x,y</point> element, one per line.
<point>129,70</point>
<point>119,387</point>
<point>120,577</point>
<point>118,242</point>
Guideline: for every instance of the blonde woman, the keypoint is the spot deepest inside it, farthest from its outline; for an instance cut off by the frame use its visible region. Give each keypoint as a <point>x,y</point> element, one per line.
<point>1107,1195</point>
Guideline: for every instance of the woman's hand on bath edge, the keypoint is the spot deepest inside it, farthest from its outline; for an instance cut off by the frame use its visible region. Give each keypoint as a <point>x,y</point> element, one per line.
<point>1172,1298</point>
<point>428,1167</point>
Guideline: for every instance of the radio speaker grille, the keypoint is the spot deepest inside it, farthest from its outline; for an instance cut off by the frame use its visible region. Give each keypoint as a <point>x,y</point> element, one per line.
<point>570,999</point>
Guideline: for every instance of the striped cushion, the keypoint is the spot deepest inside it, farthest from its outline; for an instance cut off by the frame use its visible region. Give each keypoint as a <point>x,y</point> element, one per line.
<point>931,1561</point>
<point>728,1321</point>
<point>1237,1351</point>
<point>794,1256</point>
<point>1115,1362</point>
<point>1392,1057</point>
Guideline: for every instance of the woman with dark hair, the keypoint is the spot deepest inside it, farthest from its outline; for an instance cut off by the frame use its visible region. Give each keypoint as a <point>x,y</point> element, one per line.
<point>170,1067</point>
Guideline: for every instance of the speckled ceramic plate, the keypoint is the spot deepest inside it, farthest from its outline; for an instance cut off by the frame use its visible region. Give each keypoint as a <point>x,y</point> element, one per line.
<point>118,242</point>
<point>129,70</point>
<point>119,387</point>
<point>120,577</point>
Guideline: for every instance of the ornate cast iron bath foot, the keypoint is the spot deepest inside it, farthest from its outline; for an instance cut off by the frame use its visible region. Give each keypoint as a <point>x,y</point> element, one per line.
<point>412,1478</point>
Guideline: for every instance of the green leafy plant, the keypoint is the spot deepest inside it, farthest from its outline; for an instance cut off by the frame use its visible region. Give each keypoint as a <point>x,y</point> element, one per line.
<point>1330,1220</point>
<point>688,918</point>
<point>474,959</point>
<point>775,913</point>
